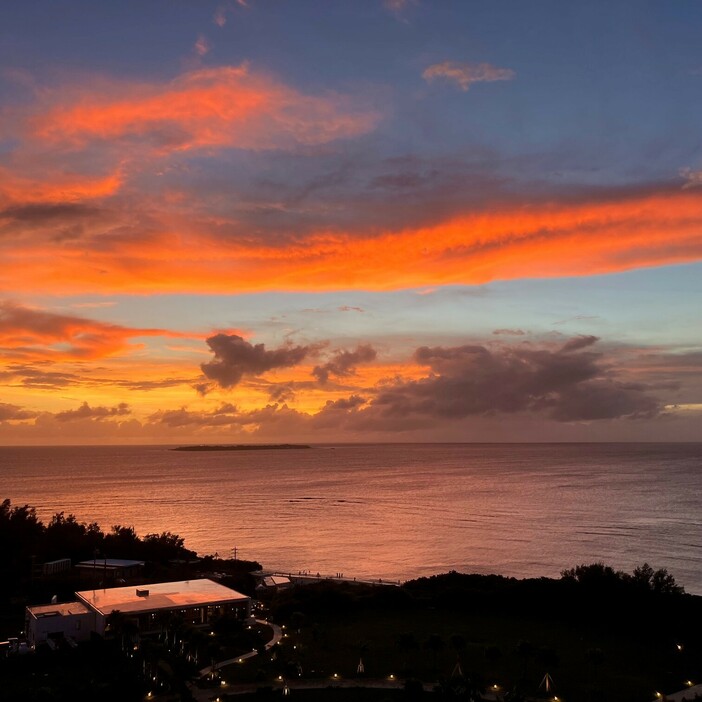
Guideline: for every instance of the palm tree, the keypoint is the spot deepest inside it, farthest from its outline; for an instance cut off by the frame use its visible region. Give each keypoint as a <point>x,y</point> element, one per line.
<point>458,644</point>
<point>406,643</point>
<point>524,651</point>
<point>435,644</point>
<point>130,633</point>
<point>213,652</point>
<point>595,657</point>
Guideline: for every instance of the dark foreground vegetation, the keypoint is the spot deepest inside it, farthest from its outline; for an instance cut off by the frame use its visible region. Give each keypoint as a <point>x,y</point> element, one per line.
<point>600,634</point>
<point>26,543</point>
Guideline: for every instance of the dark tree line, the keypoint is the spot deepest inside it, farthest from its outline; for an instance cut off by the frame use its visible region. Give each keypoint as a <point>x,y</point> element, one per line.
<point>25,541</point>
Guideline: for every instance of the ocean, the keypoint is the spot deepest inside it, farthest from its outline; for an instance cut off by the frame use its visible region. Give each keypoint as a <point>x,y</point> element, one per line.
<point>390,511</point>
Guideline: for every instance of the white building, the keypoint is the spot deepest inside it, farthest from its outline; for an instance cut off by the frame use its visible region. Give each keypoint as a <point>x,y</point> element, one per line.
<point>196,602</point>
<point>68,620</point>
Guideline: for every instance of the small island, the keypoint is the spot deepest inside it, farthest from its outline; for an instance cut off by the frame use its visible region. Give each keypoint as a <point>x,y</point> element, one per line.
<point>240,447</point>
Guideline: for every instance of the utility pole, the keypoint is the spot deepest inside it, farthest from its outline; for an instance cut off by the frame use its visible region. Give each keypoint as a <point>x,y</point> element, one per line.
<point>234,551</point>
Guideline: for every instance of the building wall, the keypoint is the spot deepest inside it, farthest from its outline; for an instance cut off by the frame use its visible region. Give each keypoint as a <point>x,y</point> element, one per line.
<point>151,621</point>
<point>53,567</point>
<point>77,626</point>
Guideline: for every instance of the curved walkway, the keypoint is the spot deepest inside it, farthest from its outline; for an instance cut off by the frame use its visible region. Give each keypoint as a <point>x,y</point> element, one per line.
<point>358,683</point>
<point>209,694</point>
<point>277,636</point>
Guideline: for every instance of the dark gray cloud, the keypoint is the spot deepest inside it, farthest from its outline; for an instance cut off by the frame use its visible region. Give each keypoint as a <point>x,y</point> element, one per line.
<point>235,357</point>
<point>564,385</point>
<point>147,385</point>
<point>344,404</point>
<point>39,376</point>
<point>508,332</point>
<point>85,411</point>
<point>9,412</point>
<point>579,342</point>
<point>344,363</point>
<point>282,392</point>
<point>40,213</point>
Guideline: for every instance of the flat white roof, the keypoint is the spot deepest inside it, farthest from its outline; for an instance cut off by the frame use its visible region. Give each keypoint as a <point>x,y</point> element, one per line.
<point>64,609</point>
<point>186,593</point>
<point>273,580</point>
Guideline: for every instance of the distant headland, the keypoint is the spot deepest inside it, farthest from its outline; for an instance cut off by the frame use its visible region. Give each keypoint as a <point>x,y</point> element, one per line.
<point>240,447</point>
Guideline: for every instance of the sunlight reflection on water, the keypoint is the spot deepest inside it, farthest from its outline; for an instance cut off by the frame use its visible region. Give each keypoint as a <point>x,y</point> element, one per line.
<point>391,511</point>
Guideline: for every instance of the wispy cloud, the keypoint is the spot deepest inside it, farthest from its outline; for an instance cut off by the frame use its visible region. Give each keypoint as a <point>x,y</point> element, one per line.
<point>225,106</point>
<point>182,252</point>
<point>202,46</point>
<point>220,16</point>
<point>693,179</point>
<point>55,185</point>
<point>508,332</point>
<point>466,74</point>
<point>398,7</point>
<point>29,334</point>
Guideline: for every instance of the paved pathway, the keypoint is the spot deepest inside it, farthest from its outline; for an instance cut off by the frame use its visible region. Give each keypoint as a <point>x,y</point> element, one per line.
<point>360,683</point>
<point>307,577</point>
<point>277,636</point>
<point>212,693</point>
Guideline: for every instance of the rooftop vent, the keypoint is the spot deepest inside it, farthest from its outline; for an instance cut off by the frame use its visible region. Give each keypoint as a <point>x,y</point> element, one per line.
<point>142,593</point>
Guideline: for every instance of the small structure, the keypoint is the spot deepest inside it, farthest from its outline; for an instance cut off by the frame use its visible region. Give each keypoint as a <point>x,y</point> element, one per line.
<point>197,602</point>
<point>52,567</point>
<point>71,620</point>
<point>276,582</point>
<point>110,570</point>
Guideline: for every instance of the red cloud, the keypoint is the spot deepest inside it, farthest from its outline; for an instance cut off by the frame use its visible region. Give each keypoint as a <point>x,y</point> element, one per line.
<point>57,186</point>
<point>214,107</point>
<point>36,334</point>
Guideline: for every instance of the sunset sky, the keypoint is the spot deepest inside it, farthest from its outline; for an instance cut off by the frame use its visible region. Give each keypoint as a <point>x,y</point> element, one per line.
<point>377,220</point>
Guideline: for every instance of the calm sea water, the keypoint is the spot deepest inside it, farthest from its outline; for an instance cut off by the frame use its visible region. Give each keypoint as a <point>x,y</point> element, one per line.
<point>391,511</point>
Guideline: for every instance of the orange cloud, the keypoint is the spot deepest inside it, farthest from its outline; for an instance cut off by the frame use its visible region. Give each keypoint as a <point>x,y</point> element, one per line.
<point>32,334</point>
<point>55,186</point>
<point>226,106</point>
<point>540,240</point>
